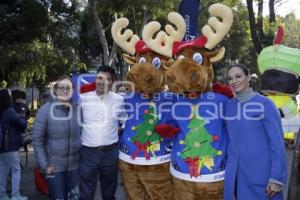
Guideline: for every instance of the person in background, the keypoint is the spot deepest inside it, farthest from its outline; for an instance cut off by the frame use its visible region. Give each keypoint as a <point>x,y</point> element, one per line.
<point>45,97</point>
<point>21,107</point>
<point>13,124</point>
<point>256,164</point>
<point>102,112</point>
<point>56,141</point>
<point>122,90</point>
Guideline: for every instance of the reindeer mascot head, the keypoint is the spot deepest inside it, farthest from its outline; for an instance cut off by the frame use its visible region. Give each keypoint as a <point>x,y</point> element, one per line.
<point>198,155</point>
<point>144,154</point>
<point>147,71</point>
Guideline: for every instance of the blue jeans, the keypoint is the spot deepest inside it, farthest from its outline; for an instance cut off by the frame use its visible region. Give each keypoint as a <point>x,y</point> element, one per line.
<point>103,164</point>
<point>10,160</point>
<point>64,185</point>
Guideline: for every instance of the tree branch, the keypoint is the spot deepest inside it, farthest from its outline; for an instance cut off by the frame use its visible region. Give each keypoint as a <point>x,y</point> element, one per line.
<point>260,19</point>
<point>272,19</point>
<point>101,32</point>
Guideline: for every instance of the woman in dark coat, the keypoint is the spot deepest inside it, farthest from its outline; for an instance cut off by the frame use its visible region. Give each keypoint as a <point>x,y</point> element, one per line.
<point>13,124</point>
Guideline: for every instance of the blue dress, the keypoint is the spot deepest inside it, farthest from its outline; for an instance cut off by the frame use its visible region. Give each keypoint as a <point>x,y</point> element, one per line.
<point>256,150</point>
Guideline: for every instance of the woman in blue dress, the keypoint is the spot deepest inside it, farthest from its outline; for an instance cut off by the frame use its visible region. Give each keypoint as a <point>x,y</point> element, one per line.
<point>256,163</point>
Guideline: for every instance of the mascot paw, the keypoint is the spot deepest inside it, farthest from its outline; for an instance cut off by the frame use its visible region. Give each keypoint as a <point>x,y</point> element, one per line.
<point>166,131</point>
<point>223,89</point>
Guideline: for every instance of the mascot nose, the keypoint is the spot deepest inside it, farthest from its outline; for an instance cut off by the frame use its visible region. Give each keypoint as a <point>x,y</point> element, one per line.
<point>194,77</point>
<point>149,80</point>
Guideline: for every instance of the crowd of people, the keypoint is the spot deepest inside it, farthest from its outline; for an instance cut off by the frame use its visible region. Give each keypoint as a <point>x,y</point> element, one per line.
<point>76,144</point>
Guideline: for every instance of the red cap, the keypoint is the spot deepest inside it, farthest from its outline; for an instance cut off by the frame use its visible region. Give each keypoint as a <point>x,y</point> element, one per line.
<point>198,42</point>
<point>141,47</point>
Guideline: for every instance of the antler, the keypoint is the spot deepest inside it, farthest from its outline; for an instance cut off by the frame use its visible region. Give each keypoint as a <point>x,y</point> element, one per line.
<point>122,39</point>
<point>221,28</point>
<point>163,42</point>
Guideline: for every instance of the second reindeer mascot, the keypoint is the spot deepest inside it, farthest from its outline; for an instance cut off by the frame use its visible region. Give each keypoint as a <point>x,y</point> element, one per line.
<point>199,153</point>
<point>144,154</point>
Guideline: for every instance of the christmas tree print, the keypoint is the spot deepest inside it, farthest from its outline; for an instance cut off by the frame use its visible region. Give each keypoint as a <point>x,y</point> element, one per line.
<point>198,152</point>
<point>146,139</point>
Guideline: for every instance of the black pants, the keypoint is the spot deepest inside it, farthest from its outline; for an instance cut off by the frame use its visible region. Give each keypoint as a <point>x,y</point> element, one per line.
<point>96,163</point>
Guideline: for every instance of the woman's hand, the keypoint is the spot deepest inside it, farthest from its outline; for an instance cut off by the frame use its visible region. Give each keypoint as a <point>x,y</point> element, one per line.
<point>272,189</point>
<point>50,169</point>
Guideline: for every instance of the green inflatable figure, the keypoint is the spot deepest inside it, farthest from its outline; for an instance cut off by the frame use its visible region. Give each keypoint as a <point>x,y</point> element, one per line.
<point>280,68</point>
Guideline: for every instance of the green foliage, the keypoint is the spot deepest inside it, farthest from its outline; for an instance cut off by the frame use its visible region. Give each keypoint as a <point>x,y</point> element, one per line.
<point>135,10</point>
<point>3,84</point>
<point>292,30</point>
<point>38,40</point>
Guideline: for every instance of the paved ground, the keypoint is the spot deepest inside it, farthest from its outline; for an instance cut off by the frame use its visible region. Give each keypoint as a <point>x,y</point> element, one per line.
<point>28,187</point>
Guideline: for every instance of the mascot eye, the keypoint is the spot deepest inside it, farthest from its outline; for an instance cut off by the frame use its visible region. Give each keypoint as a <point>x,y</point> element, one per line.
<point>142,60</point>
<point>197,57</point>
<point>181,57</point>
<point>156,62</point>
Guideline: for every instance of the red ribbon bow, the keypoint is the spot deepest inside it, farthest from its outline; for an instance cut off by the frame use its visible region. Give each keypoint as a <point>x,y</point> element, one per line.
<point>193,166</point>
<point>141,147</point>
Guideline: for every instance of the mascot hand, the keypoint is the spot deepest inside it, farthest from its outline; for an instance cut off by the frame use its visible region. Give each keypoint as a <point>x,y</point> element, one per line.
<point>88,87</point>
<point>223,89</point>
<point>166,131</point>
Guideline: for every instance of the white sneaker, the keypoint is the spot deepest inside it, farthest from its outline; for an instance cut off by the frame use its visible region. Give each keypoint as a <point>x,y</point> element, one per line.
<point>19,198</point>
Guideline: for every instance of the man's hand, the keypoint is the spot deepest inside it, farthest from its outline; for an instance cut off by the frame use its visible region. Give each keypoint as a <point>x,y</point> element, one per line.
<point>272,189</point>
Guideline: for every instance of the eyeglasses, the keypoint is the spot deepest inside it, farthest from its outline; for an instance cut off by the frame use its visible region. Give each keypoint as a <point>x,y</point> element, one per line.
<point>64,88</point>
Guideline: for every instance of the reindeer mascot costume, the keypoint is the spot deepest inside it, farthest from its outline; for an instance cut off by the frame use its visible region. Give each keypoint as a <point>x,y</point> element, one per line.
<point>144,154</point>
<point>198,154</point>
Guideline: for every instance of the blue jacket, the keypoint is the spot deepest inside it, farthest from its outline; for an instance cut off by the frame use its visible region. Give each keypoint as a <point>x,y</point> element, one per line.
<point>139,143</point>
<point>198,155</point>
<point>256,152</point>
<point>13,124</point>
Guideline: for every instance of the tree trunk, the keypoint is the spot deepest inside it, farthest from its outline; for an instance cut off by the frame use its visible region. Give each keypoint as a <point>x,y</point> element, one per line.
<point>112,53</point>
<point>272,19</point>
<point>101,32</point>
<point>255,38</point>
<point>260,18</point>
<point>145,19</point>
